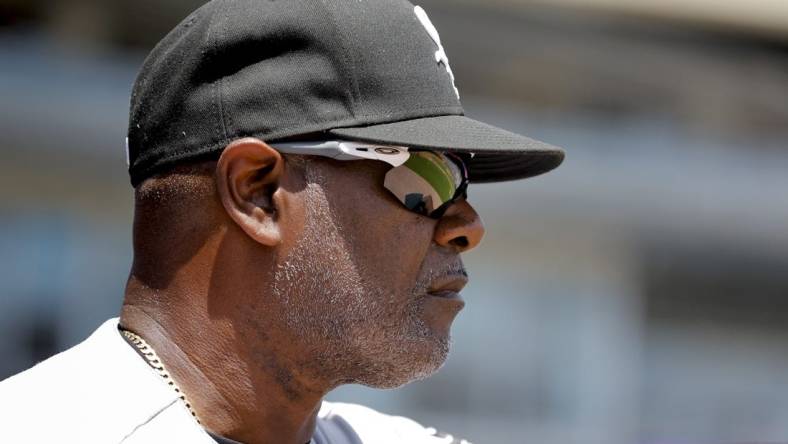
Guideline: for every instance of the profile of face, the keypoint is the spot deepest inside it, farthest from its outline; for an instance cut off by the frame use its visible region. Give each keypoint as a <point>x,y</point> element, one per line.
<point>364,267</point>
<point>364,287</point>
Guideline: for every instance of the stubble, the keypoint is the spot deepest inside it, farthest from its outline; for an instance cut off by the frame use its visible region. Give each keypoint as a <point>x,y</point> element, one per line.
<point>351,329</point>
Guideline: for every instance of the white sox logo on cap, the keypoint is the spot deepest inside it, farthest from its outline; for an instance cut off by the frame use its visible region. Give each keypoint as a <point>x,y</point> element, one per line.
<point>440,54</point>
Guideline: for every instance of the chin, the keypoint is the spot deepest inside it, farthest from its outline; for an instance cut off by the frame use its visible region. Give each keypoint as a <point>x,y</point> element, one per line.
<point>412,362</point>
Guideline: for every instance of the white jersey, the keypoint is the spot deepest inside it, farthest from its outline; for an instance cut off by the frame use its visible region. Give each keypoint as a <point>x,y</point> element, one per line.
<point>101,391</point>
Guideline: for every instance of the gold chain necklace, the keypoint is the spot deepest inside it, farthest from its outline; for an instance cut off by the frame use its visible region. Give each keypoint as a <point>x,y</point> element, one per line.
<point>153,360</point>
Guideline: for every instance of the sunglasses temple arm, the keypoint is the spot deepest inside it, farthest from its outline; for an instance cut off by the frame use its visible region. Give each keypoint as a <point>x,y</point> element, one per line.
<point>323,149</point>
<point>342,151</point>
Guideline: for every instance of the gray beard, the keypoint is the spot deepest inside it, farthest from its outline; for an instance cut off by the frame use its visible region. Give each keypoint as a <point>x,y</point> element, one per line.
<point>351,330</point>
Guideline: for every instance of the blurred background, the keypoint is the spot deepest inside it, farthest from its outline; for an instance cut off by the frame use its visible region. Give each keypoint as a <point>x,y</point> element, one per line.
<point>638,294</point>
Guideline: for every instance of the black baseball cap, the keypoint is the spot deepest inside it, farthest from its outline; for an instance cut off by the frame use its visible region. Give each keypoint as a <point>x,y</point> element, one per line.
<point>364,70</point>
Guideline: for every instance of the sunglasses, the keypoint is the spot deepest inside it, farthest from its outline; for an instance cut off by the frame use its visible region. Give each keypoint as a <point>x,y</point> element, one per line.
<point>426,182</point>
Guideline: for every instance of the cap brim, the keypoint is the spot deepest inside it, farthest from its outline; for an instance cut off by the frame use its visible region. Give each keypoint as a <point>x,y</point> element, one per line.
<point>499,155</point>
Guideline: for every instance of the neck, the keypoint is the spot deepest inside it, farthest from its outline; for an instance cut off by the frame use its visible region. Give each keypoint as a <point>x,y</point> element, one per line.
<point>237,392</point>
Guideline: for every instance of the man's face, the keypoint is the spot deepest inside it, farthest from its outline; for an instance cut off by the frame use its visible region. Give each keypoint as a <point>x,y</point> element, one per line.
<point>365,284</point>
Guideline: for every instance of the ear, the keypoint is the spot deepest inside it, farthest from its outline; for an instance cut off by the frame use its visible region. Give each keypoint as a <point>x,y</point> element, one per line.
<point>247,179</point>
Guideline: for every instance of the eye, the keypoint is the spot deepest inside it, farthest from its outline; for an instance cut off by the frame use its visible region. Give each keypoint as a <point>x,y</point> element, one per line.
<point>415,202</point>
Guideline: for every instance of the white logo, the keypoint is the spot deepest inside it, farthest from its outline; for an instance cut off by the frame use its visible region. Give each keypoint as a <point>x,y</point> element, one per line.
<point>440,54</point>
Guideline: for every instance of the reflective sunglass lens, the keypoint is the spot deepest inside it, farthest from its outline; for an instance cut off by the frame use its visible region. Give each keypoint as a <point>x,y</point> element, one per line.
<point>426,182</point>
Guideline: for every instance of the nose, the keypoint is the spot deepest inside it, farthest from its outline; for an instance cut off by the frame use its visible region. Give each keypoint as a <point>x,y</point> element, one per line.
<point>460,228</point>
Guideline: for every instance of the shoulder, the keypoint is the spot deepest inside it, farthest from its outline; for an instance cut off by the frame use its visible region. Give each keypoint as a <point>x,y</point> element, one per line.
<point>102,377</point>
<point>356,424</point>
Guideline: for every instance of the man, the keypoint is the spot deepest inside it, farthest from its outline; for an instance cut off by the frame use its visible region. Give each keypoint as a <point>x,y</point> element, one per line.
<point>300,173</point>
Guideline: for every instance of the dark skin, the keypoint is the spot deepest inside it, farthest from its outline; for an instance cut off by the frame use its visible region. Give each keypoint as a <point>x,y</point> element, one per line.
<point>263,284</point>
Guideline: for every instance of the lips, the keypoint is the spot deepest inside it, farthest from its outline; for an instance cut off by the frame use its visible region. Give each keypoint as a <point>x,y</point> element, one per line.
<point>448,287</point>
